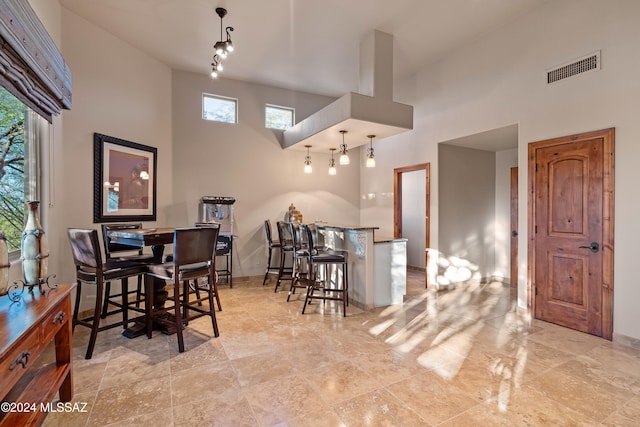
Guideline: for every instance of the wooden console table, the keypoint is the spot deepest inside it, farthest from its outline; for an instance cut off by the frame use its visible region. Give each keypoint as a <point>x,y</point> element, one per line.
<point>26,328</point>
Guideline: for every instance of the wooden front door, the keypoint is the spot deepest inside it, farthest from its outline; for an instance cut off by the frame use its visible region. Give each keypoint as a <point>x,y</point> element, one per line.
<point>573,231</point>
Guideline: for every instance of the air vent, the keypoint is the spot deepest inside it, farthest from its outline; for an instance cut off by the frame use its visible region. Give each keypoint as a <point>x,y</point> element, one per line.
<point>585,64</point>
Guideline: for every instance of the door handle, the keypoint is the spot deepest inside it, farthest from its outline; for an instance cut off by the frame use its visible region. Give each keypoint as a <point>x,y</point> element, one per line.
<point>593,247</point>
<point>514,233</point>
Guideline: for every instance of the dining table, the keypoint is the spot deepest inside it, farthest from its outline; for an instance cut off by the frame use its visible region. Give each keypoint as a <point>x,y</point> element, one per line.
<point>157,239</point>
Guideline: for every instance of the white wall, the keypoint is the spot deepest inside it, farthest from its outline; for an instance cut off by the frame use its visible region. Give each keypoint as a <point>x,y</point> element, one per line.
<point>466,186</point>
<point>499,79</point>
<point>245,161</point>
<point>118,91</point>
<point>505,160</point>
<point>413,216</point>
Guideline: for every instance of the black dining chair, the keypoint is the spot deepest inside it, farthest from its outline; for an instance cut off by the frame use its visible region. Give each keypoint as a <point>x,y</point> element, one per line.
<point>90,270</point>
<point>193,258</point>
<point>125,254</point>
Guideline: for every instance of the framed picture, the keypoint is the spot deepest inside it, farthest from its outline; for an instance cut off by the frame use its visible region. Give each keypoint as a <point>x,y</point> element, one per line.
<point>124,180</point>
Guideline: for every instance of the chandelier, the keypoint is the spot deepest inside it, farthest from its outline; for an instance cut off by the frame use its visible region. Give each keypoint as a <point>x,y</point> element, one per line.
<point>222,47</point>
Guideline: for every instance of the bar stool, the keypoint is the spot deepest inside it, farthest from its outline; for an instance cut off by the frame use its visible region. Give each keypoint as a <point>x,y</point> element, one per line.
<point>193,257</point>
<point>300,257</point>
<point>324,288</point>
<point>90,270</point>
<point>124,254</point>
<point>195,287</point>
<point>285,233</point>
<point>271,246</point>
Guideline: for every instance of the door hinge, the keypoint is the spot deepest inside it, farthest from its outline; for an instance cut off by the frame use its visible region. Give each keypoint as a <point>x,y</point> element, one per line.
<point>535,229</point>
<point>535,291</point>
<point>536,167</point>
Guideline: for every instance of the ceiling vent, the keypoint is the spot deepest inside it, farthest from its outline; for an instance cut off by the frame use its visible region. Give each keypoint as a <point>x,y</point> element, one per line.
<point>583,65</point>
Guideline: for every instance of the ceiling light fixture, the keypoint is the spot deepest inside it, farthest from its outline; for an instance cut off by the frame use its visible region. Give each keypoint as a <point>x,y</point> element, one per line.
<point>222,47</point>
<point>332,163</point>
<point>371,161</point>
<point>307,161</point>
<point>344,157</point>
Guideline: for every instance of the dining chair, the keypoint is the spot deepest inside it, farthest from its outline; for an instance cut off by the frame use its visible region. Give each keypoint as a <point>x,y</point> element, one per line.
<point>326,287</point>
<point>271,246</point>
<point>91,270</point>
<point>193,258</point>
<point>119,253</point>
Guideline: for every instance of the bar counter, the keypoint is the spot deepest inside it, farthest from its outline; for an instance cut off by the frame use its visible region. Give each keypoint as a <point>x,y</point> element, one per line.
<point>377,268</point>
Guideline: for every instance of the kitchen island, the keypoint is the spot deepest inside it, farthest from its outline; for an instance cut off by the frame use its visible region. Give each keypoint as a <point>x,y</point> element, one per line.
<point>377,268</point>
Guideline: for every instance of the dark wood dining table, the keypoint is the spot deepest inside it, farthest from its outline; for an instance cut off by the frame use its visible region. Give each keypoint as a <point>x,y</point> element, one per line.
<point>156,238</point>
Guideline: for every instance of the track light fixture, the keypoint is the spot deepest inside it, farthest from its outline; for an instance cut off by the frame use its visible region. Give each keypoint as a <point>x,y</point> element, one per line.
<point>307,161</point>
<point>332,163</point>
<point>223,47</point>
<point>344,157</point>
<point>371,161</point>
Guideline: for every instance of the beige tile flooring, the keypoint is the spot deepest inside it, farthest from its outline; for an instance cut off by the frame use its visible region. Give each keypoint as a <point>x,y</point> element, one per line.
<point>461,357</point>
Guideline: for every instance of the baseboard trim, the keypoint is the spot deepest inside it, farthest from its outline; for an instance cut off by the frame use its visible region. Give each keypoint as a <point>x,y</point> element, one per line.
<point>626,341</point>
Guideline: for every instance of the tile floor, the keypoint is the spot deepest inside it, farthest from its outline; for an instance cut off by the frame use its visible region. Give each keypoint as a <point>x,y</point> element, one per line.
<point>461,357</point>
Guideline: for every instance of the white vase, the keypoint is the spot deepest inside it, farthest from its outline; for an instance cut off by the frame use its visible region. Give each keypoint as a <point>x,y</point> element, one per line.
<point>35,254</point>
<point>4,265</point>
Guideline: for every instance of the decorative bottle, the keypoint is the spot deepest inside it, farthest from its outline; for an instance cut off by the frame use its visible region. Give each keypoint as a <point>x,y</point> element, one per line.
<point>4,265</point>
<point>35,254</point>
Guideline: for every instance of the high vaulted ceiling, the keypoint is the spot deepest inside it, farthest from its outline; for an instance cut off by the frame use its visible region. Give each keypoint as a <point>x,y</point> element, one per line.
<point>306,45</point>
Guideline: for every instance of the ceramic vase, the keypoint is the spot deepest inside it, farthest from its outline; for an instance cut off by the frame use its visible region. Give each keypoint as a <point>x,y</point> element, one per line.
<point>35,254</point>
<point>4,265</point>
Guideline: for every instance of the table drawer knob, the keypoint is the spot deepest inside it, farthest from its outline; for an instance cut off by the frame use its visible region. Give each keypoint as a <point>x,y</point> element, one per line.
<point>22,359</point>
<point>59,318</point>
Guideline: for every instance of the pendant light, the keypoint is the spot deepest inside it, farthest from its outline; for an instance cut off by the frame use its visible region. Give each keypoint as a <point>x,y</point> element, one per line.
<point>222,48</point>
<point>332,163</point>
<point>307,161</point>
<point>344,157</point>
<point>371,161</point>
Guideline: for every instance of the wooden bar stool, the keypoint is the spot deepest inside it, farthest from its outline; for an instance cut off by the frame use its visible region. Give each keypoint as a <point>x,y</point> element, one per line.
<point>90,270</point>
<point>193,257</point>
<point>125,255</point>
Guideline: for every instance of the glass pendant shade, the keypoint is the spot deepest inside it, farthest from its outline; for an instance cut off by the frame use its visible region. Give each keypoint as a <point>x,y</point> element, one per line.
<point>371,162</point>
<point>332,163</point>
<point>307,161</point>
<point>344,157</point>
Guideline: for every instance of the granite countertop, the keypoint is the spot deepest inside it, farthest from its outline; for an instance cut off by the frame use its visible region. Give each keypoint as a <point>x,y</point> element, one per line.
<point>387,239</point>
<point>345,227</point>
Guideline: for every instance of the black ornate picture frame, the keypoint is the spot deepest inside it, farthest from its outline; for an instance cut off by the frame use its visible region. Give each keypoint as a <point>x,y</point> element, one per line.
<point>124,180</point>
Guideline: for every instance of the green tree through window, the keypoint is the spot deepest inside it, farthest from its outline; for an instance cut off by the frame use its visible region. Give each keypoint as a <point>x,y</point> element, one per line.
<point>12,168</point>
<point>278,117</point>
